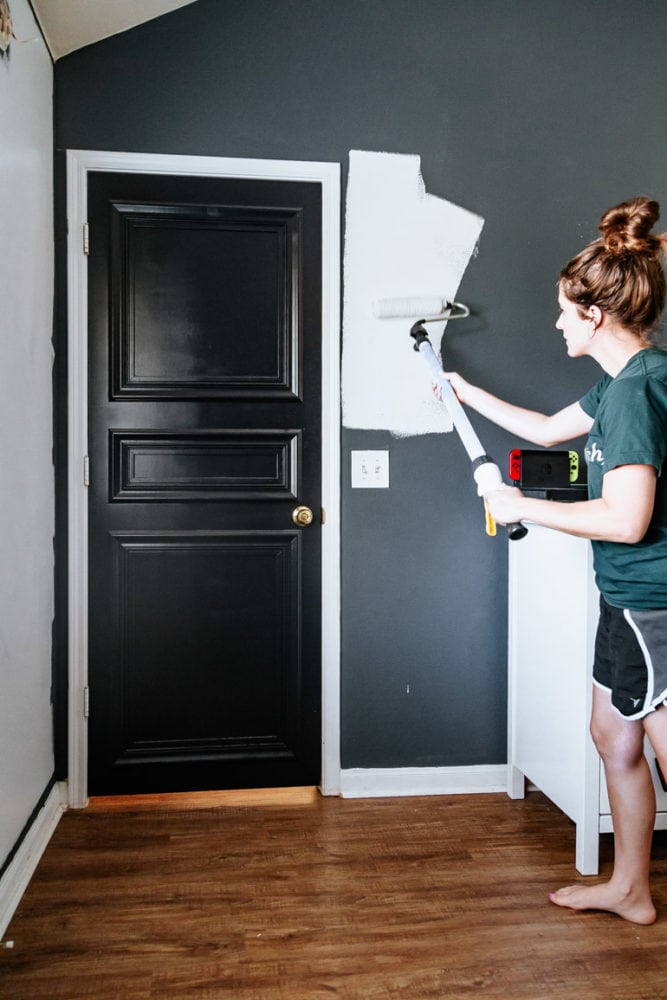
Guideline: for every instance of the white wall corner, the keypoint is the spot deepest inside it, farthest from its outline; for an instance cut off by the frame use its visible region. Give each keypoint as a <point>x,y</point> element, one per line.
<point>360,783</point>
<point>15,880</point>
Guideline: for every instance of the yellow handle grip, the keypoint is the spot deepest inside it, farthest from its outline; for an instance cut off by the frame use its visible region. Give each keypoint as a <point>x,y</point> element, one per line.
<point>490,523</point>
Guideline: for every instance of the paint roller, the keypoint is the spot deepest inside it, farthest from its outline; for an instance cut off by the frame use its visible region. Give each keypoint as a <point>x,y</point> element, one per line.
<point>432,307</point>
<point>485,471</point>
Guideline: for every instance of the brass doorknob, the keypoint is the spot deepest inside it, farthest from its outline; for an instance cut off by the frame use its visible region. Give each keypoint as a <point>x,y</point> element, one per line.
<point>302,516</point>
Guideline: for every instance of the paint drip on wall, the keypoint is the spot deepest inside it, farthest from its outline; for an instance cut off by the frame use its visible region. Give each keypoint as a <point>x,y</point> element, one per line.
<point>400,242</point>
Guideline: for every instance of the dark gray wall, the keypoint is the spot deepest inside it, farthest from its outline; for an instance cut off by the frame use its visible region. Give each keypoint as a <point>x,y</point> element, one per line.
<point>537,116</point>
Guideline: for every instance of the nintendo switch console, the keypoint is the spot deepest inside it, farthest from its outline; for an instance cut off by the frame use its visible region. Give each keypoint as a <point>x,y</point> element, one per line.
<point>552,475</point>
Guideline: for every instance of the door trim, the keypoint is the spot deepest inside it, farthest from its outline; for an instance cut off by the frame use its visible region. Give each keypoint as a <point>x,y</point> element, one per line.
<point>79,164</point>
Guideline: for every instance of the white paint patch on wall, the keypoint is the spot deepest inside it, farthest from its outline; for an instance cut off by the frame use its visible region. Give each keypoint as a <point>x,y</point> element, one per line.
<point>26,466</point>
<point>400,242</point>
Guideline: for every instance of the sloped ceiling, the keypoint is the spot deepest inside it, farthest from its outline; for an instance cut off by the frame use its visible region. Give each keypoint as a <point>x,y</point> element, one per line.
<point>70,24</point>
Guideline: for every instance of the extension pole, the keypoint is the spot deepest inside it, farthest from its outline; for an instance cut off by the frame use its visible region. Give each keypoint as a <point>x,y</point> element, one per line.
<point>485,471</point>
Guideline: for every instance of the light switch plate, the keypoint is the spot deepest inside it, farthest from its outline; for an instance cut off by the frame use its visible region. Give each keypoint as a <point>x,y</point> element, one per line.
<point>370,470</point>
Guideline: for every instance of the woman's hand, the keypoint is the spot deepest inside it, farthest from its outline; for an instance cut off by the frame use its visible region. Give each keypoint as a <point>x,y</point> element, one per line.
<point>506,505</point>
<point>458,384</point>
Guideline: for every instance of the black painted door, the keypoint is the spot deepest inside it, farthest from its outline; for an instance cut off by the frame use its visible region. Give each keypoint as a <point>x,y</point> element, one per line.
<point>204,436</point>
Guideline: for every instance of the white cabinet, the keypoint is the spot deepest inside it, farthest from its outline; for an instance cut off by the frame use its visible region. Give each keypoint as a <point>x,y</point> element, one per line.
<point>553,613</point>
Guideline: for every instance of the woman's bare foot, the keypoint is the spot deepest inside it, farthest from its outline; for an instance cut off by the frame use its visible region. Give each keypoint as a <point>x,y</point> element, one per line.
<point>635,905</point>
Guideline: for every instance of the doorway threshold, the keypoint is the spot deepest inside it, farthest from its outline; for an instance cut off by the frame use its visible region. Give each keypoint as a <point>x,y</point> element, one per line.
<point>302,795</point>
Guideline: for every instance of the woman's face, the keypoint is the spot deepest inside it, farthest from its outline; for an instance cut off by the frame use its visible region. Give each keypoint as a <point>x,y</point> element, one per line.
<point>576,328</point>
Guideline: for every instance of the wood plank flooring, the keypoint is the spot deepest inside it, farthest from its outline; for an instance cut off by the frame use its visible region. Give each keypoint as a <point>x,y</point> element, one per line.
<point>292,896</point>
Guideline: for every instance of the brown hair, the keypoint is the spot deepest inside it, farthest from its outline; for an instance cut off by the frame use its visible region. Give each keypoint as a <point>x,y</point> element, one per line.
<point>621,271</point>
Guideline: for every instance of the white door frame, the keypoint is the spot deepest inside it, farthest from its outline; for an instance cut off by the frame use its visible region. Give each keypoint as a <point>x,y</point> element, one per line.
<point>79,163</point>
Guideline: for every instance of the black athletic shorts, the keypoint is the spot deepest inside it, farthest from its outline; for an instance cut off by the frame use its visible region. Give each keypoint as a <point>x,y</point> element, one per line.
<point>631,658</point>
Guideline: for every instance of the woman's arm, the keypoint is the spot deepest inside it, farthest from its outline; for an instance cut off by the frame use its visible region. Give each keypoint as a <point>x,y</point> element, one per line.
<point>622,514</point>
<point>531,425</point>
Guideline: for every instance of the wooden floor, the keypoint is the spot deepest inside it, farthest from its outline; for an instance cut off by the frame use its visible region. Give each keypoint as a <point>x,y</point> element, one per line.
<point>300,897</point>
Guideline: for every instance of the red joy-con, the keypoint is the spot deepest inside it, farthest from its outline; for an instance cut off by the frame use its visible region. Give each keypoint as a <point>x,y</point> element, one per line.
<point>515,464</point>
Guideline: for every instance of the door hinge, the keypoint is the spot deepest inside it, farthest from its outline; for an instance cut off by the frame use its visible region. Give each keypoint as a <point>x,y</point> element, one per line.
<point>86,239</point>
<point>86,470</point>
<point>86,702</point>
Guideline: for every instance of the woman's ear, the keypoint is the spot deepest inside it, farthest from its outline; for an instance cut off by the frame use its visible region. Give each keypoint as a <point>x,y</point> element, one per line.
<point>595,315</point>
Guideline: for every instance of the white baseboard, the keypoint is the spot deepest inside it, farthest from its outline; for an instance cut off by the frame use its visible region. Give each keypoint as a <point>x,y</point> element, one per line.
<point>376,782</point>
<point>15,880</point>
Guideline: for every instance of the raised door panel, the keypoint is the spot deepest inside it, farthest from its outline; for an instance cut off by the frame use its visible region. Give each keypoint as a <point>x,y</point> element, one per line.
<point>205,301</point>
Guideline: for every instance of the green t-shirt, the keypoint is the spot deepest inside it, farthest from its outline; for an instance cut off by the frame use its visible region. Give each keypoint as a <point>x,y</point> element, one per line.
<point>630,428</point>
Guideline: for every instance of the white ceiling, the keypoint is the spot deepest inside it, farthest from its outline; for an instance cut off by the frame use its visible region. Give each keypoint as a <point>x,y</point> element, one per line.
<point>70,24</point>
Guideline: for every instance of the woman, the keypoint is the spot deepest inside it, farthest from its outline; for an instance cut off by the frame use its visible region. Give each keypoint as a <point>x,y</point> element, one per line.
<point>611,296</point>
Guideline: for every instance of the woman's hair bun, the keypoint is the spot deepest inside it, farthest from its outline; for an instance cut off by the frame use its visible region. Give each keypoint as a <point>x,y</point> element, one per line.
<point>622,271</point>
<point>626,228</point>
